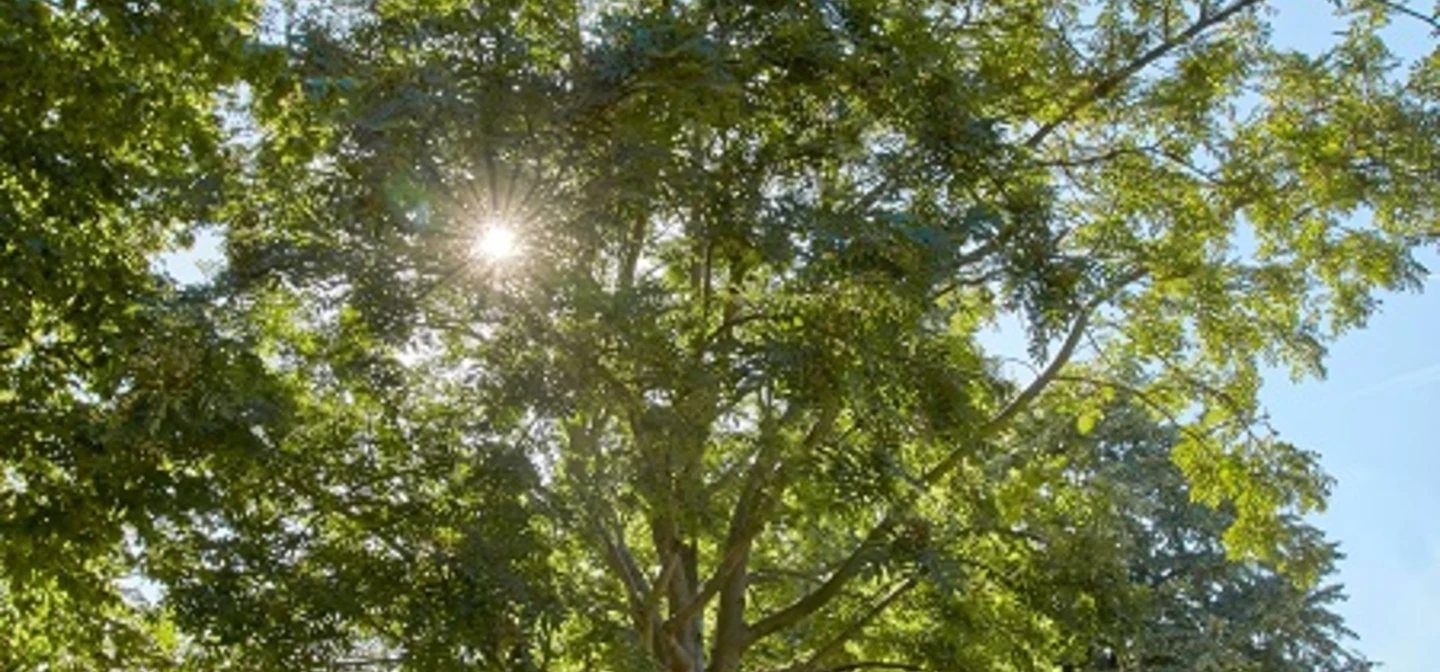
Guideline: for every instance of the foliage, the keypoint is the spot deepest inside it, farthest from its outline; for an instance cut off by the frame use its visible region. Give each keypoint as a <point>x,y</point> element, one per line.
<point>729,408</point>
<point>110,150</point>
<point>1187,606</point>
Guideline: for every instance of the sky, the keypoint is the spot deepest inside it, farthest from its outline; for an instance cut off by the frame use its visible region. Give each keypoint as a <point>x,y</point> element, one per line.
<point>1373,420</point>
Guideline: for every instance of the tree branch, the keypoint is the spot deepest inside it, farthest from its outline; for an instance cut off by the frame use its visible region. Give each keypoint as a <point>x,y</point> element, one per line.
<point>732,633</point>
<point>367,662</point>
<point>667,573</point>
<point>875,665</point>
<point>1092,159</point>
<point>734,557</point>
<point>813,601</point>
<point>857,625</point>
<point>866,552</point>
<point>1041,381</point>
<point>635,245</point>
<point>1110,82</point>
<point>623,564</point>
<point>1140,395</point>
<point>1432,21</point>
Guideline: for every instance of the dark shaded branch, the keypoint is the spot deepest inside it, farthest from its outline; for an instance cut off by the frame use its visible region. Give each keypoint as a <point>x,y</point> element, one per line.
<point>868,550</point>
<point>1092,159</point>
<point>874,665</point>
<point>855,627</point>
<point>367,662</point>
<point>635,246</point>
<point>738,320</point>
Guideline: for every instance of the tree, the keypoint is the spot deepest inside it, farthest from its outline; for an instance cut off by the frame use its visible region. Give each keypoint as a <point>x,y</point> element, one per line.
<point>111,150</point>
<point>1186,605</point>
<point>727,408</point>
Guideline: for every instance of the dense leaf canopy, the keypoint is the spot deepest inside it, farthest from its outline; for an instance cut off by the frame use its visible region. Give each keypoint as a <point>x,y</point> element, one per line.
<point>727,403</point>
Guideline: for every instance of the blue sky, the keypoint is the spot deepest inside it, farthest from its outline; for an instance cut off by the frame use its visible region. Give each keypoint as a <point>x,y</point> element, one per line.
<point>1373,420</point>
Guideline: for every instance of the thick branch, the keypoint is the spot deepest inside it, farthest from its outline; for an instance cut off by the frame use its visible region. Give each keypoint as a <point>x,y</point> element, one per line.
<point>732,633</point>
<point>858,625</point>
<point>667,574</point>
<point>741,531</point>
<point>635,245</point>
<point>622,562</point>
<point>734,557</point>
<point>868,550</point>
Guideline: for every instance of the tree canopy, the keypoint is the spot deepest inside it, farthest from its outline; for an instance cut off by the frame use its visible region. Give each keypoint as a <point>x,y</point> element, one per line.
<point>727,403</point>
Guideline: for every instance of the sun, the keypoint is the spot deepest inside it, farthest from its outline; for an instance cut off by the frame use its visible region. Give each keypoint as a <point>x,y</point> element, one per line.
<point>496,241</point>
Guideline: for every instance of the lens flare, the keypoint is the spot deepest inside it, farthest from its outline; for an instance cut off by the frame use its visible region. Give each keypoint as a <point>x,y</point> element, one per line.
<point>496,242</point>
